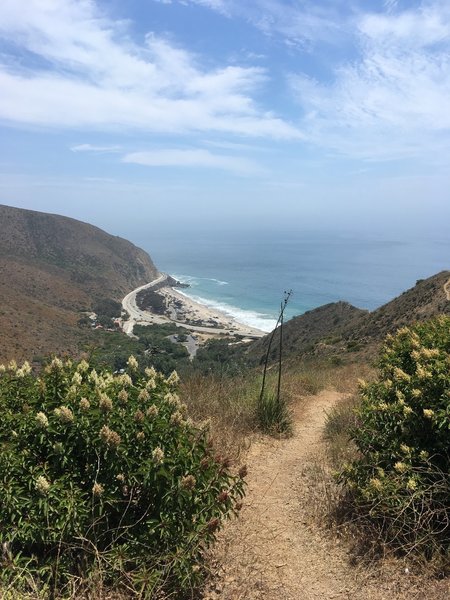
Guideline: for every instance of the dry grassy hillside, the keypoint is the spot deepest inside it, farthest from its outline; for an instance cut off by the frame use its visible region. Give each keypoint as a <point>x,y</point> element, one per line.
<point>426,299</point>
<point>51,269</point>
<point>302,334</point>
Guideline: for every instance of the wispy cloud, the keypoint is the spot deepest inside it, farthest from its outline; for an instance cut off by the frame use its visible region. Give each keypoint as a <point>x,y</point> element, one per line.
<point>91,75</point>
<point>237,147</point>
<point>99,179</point>
<point>392,102</point>
<point>383,96</point>
<point>93,148</point>
<point>198,158</point>
<point>417,28</point>
<point>389,100</point>
<point>222,6</point>
<point>298,23</point>
<point>390,4</point>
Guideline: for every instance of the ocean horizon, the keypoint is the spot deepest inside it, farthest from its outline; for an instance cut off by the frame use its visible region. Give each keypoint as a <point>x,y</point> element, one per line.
<point>245,275</point>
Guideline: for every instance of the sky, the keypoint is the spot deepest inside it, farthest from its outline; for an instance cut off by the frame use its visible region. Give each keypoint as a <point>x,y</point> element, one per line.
<point>157,114</point>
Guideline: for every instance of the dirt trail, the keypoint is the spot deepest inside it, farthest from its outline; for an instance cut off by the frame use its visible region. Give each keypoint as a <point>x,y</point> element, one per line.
<point>273,551</point>
<point>447,289</point>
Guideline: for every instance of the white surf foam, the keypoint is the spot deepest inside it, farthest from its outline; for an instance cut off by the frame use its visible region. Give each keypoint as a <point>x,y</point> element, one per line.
<point>192,280</point>
<point>254,319</point>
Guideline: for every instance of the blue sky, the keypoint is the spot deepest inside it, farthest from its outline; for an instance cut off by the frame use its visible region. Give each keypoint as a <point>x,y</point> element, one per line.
<point>167,113</point>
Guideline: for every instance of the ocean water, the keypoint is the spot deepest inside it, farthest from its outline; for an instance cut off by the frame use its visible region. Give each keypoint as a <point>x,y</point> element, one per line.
<point>245,274</point>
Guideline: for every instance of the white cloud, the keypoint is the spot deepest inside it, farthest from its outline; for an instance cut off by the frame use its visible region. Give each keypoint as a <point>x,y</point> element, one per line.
<point>393,101</point>
<point>298,23</point>
<point>237,146</point>
<point>92,148</point>
<point>390,4</point>
<point>193,158</point>
<point>413,29</point>
<point>222,6</point>
<point>91,75</point>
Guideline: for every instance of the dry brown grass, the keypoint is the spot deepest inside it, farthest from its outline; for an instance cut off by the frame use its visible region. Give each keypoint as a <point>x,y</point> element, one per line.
<point>388,575</point>
<point>230,403</point>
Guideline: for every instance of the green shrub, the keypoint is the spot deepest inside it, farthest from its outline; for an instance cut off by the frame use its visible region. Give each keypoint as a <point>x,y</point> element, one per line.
<point>152,349</point>
<point>107,308</point>
<point>220,357</point>
<point>401,481</point>
<point>103,475</point>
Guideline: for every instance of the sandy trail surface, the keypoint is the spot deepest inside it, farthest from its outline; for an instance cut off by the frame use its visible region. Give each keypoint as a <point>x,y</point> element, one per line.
<point>447,289</point>
<point>275,551</point>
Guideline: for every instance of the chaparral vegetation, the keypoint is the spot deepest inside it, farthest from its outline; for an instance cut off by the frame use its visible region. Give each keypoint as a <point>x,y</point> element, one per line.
<point>105,481</point>
<point>400,481</point>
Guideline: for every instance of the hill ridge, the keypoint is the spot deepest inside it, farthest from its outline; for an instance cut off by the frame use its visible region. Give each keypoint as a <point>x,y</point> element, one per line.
<point>339,326</point>
<point>53,267</point>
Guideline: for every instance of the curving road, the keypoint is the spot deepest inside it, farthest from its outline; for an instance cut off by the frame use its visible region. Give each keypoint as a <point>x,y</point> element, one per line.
<point>136,315</point>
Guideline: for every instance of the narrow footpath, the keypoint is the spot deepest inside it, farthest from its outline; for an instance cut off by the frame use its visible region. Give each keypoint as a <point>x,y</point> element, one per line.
<point>275,551</point>
<point>447,289</point>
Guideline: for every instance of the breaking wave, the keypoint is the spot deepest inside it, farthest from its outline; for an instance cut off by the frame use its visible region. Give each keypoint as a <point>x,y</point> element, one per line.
<point>251,318</point>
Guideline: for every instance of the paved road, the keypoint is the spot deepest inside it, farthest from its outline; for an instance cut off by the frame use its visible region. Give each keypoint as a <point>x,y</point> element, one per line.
<point>136,315</point>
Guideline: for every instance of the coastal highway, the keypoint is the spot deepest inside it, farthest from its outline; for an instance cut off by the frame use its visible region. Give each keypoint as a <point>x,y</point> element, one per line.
<point>136,315</point>
<point>143,317</point>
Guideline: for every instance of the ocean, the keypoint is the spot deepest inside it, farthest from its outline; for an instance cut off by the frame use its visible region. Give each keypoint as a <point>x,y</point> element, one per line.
<point>245,274</point>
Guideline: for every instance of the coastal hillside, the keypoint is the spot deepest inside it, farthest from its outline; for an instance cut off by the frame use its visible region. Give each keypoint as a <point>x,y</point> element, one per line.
<point>339,327</point>
<point>427,299</point>
<point>52,268</point>
<point>301,334</point>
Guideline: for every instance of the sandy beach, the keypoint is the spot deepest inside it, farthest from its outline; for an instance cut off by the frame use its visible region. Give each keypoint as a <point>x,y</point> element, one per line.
<point>184,312</point>
<point>183,309</point>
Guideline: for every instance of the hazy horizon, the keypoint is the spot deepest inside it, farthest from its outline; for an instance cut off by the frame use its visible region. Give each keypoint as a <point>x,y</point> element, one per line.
<point>214,113</point>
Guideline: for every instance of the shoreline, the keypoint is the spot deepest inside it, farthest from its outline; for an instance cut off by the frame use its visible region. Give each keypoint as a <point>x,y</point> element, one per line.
<point>251,319</point>
<point>184,312</point>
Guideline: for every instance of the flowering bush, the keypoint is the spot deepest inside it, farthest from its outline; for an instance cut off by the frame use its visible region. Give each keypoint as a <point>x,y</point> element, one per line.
<point>402,478</point>
<point>105,473</point>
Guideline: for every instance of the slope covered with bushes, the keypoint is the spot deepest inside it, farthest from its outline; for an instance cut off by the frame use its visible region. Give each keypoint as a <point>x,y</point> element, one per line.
<point>401,480</point>
<point>52,269</point>
<point>103,477</point>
